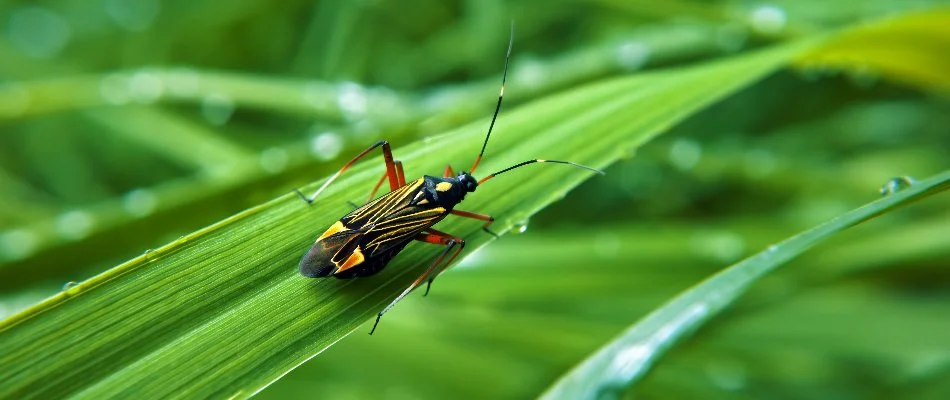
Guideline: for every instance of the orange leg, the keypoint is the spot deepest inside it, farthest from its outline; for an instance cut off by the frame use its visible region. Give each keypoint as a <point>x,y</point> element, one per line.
<point>444,238</point>
<point>448,172</point>
<point>399,175</point>
<point>481,217</point>
<point>434,237</point>
<point>391,170</point>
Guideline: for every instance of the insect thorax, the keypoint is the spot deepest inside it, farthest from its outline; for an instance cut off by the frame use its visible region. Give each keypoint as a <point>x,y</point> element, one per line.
<point>440,192</point>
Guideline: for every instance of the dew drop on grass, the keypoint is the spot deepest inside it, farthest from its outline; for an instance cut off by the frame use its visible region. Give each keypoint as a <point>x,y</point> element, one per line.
<point>217,108</point>
<point>326,146</point>
<point>896,184</point>
<point>139,202</point>
<point>768,19</point>
<point>719,245</point>
<point>71,288</point>
<point>17,244</point>
<point>135,16</point>
<point>114,89</point>
<point>274,159</point>
<point>351,98</point>
<point>182,82</point>
<point>633,55</point>
<point>685,154</point>
<point>37,32</point>
<point>146,87</point>
<point>520,226</point>
<point>74,225</point>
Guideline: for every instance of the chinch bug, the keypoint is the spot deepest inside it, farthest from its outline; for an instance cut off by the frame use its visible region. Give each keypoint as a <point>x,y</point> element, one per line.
<point>365,240</point>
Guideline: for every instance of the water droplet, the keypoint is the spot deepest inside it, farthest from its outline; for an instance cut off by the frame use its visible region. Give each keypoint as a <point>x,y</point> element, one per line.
<point>529,73</point>
<point>146,87</point>
<point>182,82</point>
<point>114,89</point>
<point>896,184</point>
<point>38,32</point>
<point>139,202</point>
<point>633,55</point>
<point>326,146</point>
<point>133,15</point>
<point>520,226</point>
<point>365,129</point>
<point>685,154</point>
<point>319,94</point>
<point>217,108</point>
<point>74,225</point>
<point>17,244</point>
<point>274,159</point>
<point>351,98</point>
<point>14,100</point>
<point>722,246</point>
<point>72,288</point>
<point>768,19</point>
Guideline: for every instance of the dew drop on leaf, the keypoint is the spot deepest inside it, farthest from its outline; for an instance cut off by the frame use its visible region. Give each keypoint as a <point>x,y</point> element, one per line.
<point>896,184</point>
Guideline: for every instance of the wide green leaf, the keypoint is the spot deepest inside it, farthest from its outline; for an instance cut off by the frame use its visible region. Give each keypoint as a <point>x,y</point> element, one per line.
<point>222,312</point>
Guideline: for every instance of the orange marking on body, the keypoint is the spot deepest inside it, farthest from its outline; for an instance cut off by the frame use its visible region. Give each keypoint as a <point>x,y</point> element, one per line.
<point>336,228</point>
<point>353,260</point>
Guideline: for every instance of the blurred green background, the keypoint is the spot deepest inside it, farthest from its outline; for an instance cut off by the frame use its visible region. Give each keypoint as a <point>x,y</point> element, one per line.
<point>128,123</point>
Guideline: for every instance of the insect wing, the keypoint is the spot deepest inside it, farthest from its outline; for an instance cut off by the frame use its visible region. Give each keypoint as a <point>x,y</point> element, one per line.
<point>331,252</point>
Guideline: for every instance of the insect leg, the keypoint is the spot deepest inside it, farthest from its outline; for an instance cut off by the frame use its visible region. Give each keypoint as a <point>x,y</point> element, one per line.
<point>390,170</point>
<point>449,245</point>
<point>435,236</point>
<point>399,175</point>
<point>449,173</point>
<point>482,217</point>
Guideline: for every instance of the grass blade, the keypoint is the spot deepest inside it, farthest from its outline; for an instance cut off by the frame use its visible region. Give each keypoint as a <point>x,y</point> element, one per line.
<point>623,361</point>
<point>222,312</point>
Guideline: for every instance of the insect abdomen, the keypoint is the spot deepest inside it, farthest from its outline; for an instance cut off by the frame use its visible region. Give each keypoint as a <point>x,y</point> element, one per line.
<point>316,264</point>
<point>373,265</point>
<point>337,249</point>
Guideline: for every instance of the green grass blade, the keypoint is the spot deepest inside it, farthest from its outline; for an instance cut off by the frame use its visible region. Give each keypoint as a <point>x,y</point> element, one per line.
<point>222,312</point>
<point>623,361</point>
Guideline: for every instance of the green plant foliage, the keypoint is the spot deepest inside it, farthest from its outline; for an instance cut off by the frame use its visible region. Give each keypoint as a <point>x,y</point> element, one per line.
<point>127,125</point>
<point>626,359</point>
<point>242,268</point>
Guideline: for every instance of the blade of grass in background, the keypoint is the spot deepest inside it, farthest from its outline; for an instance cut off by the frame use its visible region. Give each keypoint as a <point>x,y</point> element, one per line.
<point>623,361</point>
<point>909,49</point>
<point>223,312</point>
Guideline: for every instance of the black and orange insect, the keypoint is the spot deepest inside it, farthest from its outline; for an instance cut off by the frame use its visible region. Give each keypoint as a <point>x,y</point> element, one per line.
<point>365,240</point>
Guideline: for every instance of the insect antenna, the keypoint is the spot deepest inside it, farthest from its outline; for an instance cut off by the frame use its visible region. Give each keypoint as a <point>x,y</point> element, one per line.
<point>521,164</point>
<point>501,94</point>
